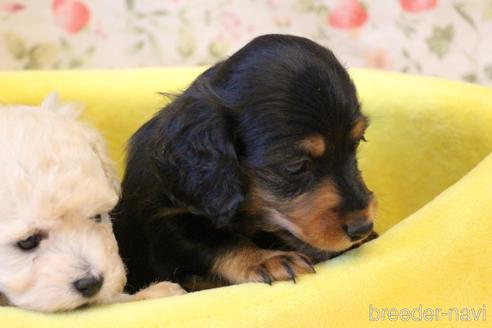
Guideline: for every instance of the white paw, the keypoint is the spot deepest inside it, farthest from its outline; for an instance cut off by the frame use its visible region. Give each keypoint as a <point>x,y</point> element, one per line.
<point>160,289</point>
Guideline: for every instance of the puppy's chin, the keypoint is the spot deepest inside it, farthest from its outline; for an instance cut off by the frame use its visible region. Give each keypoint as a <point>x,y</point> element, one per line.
<point>62,300</point>
<point>314,253</point>
<point>60,305</point>
<point>330,246</point>
<point>333,243</point>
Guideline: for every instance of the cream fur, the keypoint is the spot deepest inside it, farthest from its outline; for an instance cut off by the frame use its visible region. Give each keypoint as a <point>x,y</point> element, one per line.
<point>55,174</point>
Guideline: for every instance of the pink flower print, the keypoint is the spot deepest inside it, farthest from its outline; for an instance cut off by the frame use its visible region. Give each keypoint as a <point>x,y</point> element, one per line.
<point>347,15</point>
<point>11,7</point>
<point>378,59</point>
<point>417,5</point>
<point>70,15</point>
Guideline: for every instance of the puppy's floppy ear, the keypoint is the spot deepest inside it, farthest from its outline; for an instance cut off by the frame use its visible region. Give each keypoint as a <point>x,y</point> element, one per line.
<point>195,156</point>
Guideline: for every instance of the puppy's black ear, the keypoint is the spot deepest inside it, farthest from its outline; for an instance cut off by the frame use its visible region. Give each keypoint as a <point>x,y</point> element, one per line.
<point>196,159</point>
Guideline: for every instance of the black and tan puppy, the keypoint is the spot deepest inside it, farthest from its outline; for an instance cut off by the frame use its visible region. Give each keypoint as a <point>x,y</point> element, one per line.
<point>250,174</point>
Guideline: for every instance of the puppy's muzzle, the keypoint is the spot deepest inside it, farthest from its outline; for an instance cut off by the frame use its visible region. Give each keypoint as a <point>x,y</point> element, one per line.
<point>88,286</point>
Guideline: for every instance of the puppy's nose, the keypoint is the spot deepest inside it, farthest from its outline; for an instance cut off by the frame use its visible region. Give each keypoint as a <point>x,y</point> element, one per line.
<point>89,286</point>
<point>359,230</point>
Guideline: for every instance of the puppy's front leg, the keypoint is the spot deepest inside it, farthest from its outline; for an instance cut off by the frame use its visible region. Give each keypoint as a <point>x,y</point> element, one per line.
<point>253,264</point>
<point>184,245</point>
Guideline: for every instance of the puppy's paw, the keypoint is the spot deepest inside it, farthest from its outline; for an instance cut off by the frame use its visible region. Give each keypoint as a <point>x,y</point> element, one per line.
<point>276,265</point>
<point>251,264</point>
<point>157,290</point>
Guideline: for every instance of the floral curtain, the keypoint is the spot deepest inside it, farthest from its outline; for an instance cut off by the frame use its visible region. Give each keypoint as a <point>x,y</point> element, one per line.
<point>449,38</point>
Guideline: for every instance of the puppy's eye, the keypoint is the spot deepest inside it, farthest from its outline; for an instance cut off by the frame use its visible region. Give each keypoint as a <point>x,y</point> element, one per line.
<point>30,243</point>
<point>97,218</point>
<point>298,167</point>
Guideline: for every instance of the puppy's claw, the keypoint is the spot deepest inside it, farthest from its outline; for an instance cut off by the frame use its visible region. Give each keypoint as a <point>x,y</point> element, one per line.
<point>269,266</point>
<point>309,264</point>
<point>289,271</point>
<point>264,275</point>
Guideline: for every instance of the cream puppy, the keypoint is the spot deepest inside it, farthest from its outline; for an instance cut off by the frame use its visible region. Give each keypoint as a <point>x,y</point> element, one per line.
<point>57,186</point>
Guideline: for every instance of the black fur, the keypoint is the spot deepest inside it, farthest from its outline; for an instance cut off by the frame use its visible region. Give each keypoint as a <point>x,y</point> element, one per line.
<point>239,120</point>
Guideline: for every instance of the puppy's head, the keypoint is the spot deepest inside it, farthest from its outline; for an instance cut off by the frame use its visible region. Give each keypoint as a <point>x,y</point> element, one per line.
<point>57,249</point>
<point>273,131</point>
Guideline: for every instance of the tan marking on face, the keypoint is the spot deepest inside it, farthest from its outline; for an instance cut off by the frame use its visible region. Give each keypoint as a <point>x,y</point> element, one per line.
<point>315,145</point>
<point>263,204</point>
<point>312,217</point>
<point>372,208</point>
<point>359,128</point>
<point>317,219</point>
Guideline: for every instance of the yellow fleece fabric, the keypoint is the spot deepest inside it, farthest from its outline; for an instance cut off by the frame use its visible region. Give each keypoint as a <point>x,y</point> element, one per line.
<point>426,159</point>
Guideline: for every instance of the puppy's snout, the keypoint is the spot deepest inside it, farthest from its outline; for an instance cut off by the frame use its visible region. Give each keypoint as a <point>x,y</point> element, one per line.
<point>88,286</point>
<point>359,229</point>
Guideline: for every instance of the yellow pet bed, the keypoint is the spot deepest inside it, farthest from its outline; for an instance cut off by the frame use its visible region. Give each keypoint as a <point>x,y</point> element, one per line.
<point>426,139</point>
